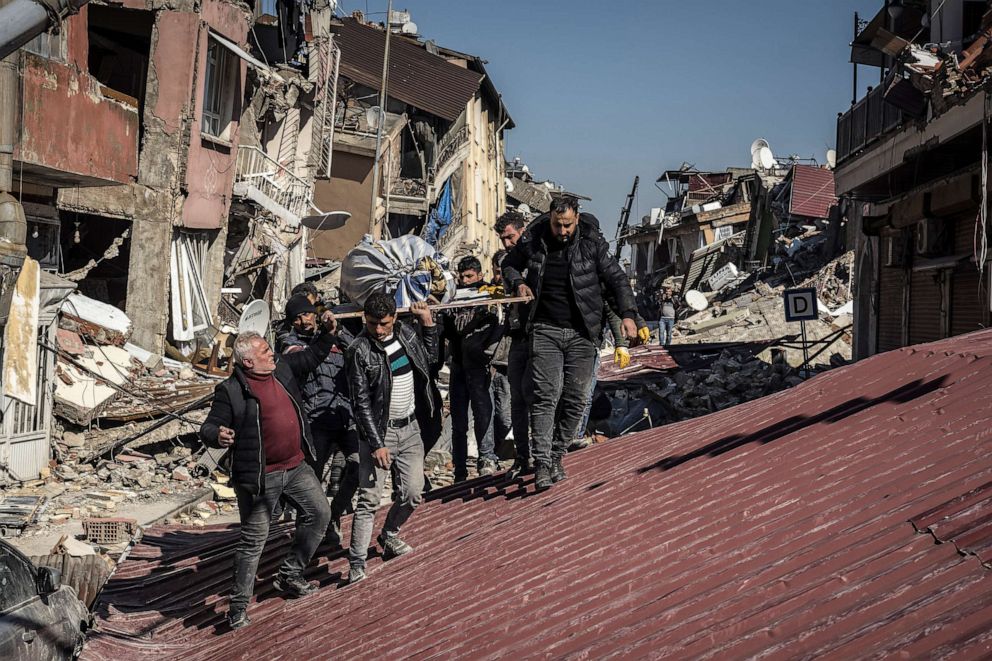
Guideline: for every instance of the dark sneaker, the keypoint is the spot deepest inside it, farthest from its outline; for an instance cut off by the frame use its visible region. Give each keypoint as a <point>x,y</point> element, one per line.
<point>542,477</point>
<point>294,586</point>
<point>487,467</point>
<point>521,466</point>
<point>356,574</point>
<point>393,547</point>
<point>460,477</point>
<point>237,618</point>
<point>557,470</point>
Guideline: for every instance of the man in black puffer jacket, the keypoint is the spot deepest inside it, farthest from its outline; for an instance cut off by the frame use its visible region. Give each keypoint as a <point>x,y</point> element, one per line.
<point>571,274</point>
<point>257,412</point>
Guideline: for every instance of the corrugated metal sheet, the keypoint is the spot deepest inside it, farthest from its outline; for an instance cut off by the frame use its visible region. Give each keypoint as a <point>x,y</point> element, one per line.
<point>812,191</point>
<point>423,80</point>
<point>777,528</point>
<point>965,521</point>
<point>890,301</point>
<point>645,362</point>
<point>925,307</point>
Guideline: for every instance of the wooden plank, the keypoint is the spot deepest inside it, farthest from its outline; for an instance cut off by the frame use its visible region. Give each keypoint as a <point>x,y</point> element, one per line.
<point>348,312</point>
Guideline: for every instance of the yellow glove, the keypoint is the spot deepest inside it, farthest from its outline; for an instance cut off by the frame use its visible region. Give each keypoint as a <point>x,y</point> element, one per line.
<point>621,357</point>
<point>644,333</point>
<point>496,291</point>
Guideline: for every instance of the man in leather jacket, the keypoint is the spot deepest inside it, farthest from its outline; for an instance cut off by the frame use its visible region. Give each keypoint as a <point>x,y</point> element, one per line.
<point>571,275</point>
<point>390,371</point>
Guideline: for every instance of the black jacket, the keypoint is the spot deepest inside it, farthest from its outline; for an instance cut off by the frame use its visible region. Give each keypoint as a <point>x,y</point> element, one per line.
<point>596,277</point>
<point>372,383</point>
<point>471,334</point>
<point>235,406</point>
<point>327,399</point>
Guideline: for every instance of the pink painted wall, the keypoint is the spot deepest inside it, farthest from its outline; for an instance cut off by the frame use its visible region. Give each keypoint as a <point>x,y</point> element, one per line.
<point>211,167</point>
<point>68,123</point>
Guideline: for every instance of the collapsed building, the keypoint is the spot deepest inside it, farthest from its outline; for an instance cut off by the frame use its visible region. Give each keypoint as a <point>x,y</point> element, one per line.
<point>441,147</point>
<point>166,157</point>
<point>912,172</point>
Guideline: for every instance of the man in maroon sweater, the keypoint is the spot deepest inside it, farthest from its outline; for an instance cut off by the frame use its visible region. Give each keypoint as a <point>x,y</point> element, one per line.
<point>257,413</point>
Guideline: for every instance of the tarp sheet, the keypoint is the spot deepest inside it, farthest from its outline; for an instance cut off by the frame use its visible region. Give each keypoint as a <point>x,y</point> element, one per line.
<point>408,267</point>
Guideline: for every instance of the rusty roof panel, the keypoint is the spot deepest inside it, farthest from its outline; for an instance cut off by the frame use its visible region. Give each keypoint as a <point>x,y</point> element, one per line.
<point>780,527</point>
<point>812,191</point>
<point>965,521</point>
<point>423,80</point>
<point>645,361</point>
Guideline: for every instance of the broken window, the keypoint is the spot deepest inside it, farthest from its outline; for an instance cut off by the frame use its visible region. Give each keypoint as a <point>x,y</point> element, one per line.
<point>218,91</point>
<point>95,252</point>
<point>190,313</point>
<point>119,47</point>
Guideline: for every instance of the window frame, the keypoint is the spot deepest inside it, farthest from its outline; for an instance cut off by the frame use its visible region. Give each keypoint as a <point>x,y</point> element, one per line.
<point>217,113</point>
<point>7,551</point>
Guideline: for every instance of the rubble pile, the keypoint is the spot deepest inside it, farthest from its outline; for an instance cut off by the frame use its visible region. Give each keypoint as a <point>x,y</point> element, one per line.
<point>734,377</point>
<point>752,309</point>
<point>105,487</point>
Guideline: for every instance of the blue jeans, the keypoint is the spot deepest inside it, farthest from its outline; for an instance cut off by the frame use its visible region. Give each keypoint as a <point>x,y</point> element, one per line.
<point>470,386</point>
<point>407,450</point>
<point>518,372</point>
<point>665,330</point>
<point>562,360</point>
<point>581,432</point>
<point>300,488</point>
<point>502,407</point>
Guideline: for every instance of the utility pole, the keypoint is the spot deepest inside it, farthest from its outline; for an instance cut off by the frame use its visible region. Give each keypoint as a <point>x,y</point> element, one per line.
<point>381,122</point>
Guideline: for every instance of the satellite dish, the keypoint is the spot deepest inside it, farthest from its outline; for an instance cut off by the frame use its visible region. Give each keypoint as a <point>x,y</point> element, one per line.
<point>523,208</point>
<point>831,158</point>
<point>372,116</point>
<point>331,220</point>
<point>509,185</point>
<point>766,159</point>
<point>254,318</point>
<point>696,300</point>
<point>409,28</point>
<point>755,148</point>
<point>525,168</point>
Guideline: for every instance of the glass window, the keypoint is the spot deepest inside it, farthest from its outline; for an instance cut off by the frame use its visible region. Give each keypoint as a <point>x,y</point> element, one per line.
<point>218,91</point>
<point>16,580</point>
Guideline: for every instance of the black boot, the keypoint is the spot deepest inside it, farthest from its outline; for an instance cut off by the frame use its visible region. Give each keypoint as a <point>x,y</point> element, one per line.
<point>557,470</point>
<point>542,477</point>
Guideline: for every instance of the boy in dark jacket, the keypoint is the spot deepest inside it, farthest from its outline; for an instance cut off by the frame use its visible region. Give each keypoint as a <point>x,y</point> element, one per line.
<point>257,412</point>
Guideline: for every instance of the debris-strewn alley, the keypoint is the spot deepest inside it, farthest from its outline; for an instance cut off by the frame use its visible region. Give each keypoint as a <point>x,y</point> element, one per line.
<point>308,314</point>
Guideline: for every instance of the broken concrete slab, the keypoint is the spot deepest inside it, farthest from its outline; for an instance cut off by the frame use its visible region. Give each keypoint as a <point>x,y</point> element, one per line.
<point>91,318</point>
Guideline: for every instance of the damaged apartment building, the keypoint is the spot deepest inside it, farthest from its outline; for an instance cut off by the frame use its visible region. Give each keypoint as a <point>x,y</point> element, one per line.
<point>168,150</point>
<point>912,163</point>
<point>743,217</point>
<point>441,153</point>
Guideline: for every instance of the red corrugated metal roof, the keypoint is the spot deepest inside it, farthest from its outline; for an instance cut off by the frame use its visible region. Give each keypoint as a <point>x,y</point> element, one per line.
<point>423,80</point>
<point>779,527</point>
<point>812,191</point>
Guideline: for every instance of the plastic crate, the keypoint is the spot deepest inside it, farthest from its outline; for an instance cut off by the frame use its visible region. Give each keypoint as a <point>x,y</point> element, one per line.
<point>109,531</point>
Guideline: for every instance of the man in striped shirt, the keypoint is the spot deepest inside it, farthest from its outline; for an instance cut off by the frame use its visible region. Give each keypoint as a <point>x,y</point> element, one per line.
<point>390,368</point>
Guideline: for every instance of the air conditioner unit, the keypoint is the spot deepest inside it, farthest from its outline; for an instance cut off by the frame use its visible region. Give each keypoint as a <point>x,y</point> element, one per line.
<point>930,241</point>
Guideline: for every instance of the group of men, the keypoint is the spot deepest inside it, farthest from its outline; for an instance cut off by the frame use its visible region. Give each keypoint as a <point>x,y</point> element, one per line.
<point>365,399</point>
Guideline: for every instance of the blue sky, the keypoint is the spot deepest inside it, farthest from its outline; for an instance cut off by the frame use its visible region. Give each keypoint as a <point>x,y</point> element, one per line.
<point>602,91</point>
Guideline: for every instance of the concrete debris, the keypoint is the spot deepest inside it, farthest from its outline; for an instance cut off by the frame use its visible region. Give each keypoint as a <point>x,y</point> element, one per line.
<point>91,318</point>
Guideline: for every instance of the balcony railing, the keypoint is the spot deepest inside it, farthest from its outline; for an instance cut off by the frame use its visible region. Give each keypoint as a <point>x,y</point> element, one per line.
<point>866,121</point>
<point>273,180</point>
